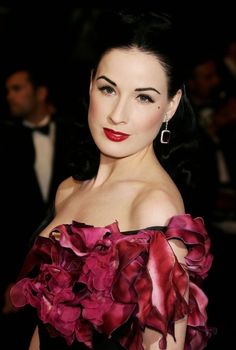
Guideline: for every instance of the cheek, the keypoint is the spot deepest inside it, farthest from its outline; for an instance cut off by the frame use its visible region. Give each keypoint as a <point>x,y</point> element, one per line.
<point>93,114</point>
<point>20,97</point>
<point>151,124</point>
<point>96,109</point>
<point>92,108</point>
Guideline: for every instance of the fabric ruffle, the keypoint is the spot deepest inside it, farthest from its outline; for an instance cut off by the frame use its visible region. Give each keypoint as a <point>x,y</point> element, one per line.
<point>84,279</point>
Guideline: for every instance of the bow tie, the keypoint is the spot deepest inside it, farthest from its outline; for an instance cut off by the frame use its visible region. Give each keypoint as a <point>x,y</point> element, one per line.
<point>42,129</point>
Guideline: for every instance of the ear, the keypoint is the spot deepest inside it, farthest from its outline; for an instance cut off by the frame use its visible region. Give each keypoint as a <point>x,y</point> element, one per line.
<point>173,104</point>
<point>42,93</point>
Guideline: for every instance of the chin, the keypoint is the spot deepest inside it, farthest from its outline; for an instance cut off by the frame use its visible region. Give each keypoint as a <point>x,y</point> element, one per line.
<point>114,155</point>
<point>114,151</point>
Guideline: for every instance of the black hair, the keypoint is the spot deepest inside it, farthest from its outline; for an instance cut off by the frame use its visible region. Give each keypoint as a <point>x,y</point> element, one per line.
<point>153,33</point>
<point>37,76</point>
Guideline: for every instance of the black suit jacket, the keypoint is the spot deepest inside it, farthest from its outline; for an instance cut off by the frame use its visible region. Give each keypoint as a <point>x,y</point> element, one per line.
<point>23,205</point>
<point>227,137</point>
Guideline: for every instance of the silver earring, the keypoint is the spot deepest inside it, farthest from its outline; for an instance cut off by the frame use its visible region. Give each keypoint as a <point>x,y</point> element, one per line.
<point>165,134</point>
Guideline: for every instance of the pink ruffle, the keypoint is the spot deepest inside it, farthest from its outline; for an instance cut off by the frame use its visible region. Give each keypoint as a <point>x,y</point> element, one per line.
<point>97,278</point>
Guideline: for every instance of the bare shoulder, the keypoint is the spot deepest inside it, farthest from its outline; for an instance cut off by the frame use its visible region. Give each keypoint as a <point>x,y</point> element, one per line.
<point>65,190</point>
<point>155,207</point>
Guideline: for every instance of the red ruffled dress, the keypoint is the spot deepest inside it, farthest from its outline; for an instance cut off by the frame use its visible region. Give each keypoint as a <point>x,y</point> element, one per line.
<point>95,280</point>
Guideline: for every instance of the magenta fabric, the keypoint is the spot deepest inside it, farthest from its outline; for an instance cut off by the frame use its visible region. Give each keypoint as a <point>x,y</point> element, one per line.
<point>97,278</point>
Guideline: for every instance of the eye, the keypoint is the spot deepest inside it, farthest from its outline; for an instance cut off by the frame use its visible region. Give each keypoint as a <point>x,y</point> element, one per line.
<point>107,90</point>
<point>145,98</point>
<point>17,88</point>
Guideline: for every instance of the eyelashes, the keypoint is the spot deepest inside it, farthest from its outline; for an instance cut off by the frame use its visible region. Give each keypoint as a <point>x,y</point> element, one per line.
<point>109,90</point>
<point>145,98</point>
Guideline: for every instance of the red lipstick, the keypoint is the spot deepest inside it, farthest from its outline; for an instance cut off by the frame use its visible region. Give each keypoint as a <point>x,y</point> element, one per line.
<point>115,136</point>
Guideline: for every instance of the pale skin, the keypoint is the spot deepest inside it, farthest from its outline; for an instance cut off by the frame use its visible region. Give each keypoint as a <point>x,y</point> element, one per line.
<point>127,94</point>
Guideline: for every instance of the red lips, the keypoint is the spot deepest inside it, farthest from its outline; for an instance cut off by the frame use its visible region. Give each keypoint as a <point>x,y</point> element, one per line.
<point>115,136</point>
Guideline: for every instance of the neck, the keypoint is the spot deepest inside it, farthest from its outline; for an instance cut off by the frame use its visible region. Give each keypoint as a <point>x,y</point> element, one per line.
<point>133,167</point>
<point>37,121</point>
<point>38,116</point>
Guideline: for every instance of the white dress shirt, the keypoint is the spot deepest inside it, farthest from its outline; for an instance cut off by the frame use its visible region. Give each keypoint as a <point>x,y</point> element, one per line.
<point>44,152</point>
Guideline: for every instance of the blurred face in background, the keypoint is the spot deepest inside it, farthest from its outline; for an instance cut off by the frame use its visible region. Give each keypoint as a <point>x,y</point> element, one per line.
<point>21,95</point>
<point>205,81</point>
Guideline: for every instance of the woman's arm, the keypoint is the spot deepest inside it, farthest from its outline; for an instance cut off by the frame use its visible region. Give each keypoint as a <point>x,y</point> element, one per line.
<point>34,344</point>
<point>150,337</point>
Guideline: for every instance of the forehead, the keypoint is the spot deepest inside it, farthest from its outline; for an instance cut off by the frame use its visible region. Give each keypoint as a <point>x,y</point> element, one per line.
<point>132,65</point>
<point>18,78</point>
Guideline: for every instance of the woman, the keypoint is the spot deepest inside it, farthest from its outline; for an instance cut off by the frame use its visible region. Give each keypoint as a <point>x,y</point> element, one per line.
<point>119,265</point>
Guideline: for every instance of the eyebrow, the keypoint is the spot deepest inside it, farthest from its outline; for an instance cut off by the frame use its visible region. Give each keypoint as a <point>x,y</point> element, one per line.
<point>148,88</point>
<point>138,89</point>
<point>107,79</point>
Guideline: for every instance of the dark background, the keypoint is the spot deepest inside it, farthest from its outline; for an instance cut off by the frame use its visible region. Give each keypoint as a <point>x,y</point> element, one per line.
<point>57,39</point>
<point>57,36</point>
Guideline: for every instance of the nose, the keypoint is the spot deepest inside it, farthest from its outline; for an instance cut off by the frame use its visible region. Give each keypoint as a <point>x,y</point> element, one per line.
<point>119,112</point>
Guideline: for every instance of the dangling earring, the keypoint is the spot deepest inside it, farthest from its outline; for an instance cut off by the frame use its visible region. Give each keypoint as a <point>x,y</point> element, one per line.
<point>165,134</point>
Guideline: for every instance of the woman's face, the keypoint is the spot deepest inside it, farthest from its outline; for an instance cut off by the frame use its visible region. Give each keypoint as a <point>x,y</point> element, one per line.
<point>128,102</point>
